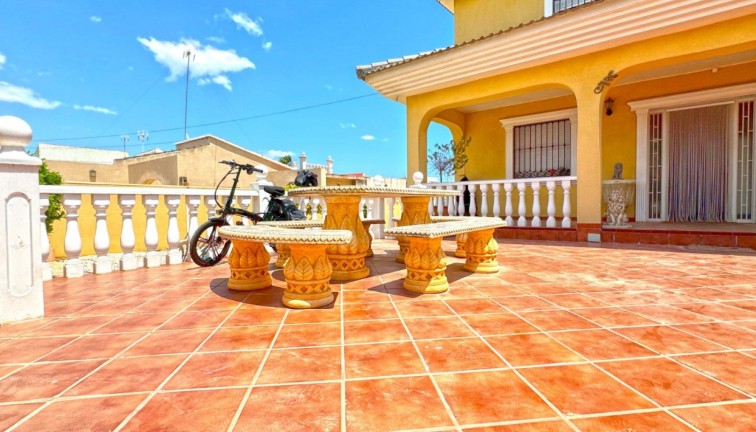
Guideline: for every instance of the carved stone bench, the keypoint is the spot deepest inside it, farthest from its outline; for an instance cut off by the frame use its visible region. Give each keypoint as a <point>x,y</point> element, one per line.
<point>461,238</point>
<point>366,224</point>
<point>426,261</point>
<point>282,249</point>
<point>307,272</point>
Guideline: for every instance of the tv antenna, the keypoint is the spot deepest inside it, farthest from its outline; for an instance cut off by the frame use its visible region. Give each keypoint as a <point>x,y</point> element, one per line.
<point>188,55</point>
<point>124,138</point>
<point>143,136</point>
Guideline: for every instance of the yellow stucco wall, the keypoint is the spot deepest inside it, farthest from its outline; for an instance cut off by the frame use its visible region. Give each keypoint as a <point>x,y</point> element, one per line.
<point>476,18</point>
<point>79,172</point>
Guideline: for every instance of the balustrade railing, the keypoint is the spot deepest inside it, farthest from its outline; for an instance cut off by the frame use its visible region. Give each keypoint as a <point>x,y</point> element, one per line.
<point>161,210</point>
<point>489,197</point>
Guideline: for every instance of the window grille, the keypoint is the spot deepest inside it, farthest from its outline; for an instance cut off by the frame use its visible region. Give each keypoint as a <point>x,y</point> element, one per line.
<point>655,166</point>
<point>745,149</point>
<point>563,5</point>
<point>542,150</point>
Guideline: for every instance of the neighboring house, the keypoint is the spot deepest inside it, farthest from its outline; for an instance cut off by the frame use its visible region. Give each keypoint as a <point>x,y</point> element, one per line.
<point>195,162</point>
<point>569,88</point>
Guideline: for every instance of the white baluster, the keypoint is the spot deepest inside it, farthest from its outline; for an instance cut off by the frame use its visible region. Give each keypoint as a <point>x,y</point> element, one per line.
<point>44,203</point>
<point>315,204</point>
<point>461,200</point>
<point>379,212</point>
<point>451,202</point>
<point>128,240</point>
<point>496,206</point>
<point>72,243</point>
<point>473,206</point>
<point>521,221</point>
<point>370,207</point>
<point>192,204</point>
<point>536,222</point>
<point>324,210</point>
<point>508,203</point>
<point>151,259</point>
<point>484,200</point>
<point>440,205</point>
<point>566,206</point>
<point>551,208</point>
<point>245,202</point>
<point>102,263</point>
<point>431,206</point>
<point>209,201</point>
<point>390,210</point>
<point>174,237</point>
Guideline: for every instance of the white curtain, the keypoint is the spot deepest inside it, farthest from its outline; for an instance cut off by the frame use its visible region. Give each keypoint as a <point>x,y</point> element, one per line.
<point>698,164</point>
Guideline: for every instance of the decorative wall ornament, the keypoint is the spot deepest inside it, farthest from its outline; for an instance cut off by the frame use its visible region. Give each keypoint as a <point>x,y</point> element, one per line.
<point>611,76</point>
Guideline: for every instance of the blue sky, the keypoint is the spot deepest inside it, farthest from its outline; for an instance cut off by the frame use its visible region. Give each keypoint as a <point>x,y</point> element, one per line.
<point>102,69</point>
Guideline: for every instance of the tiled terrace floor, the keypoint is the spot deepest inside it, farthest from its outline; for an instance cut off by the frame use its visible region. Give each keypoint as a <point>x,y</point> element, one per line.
<point>566,337</point>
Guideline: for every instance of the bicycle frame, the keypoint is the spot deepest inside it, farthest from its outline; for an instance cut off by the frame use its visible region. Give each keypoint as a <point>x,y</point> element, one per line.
<point>227,209</point>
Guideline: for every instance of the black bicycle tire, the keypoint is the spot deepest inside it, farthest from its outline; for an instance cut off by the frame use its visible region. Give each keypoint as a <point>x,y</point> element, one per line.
<point>198,256</point>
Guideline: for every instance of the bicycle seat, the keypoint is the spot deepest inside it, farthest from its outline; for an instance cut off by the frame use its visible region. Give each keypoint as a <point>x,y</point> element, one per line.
<point>275,190</point>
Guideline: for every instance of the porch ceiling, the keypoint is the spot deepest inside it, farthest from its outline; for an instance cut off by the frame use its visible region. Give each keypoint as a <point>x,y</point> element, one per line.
<point>591,29</point>
<point>710,63</point>
<point>515,100</point>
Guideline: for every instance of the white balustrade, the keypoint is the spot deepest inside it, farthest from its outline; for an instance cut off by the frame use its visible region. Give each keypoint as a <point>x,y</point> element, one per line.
<point>127,199</point>
<point>102,263</point>
<point>244,202</point>
<point>44,204</point>
<point>519,214</point>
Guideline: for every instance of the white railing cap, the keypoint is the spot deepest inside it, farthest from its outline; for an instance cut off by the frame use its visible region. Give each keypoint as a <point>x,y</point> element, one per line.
<point>572,179</point>
<point>137,190</point>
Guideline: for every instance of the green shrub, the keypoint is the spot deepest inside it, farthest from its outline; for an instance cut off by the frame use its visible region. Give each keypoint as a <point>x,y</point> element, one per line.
<point>55,211</point>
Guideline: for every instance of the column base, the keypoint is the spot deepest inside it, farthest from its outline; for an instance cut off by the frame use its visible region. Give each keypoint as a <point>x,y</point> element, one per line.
<point>426,267</point>
<point>348,267</point>
<point>249,279</point>
<point>128,262</point>
<point>308,276</point>
<point>152,259</point>
<point>249,266</point>
<point>73,269</point>
<point>461,240</point>
<point>304,301</point>
<point>481,249</point>
<point>174,257</point>
<point>284,252</point>
<point>403,248</point>
<point>102,265</point>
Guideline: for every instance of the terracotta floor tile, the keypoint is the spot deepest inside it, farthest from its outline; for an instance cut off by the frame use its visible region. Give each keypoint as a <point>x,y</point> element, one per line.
<point>448,355</point>
<point>163,305</point>
<point>612,317</point>
<point>474,306</point>
<point>90,414</point>
<point>733,368</point>
<point>723,334</point>
<point>301,365</point>
<point>583,389</point>
<point>601,345</point>
<point>543,288</point>
<point>369,311</point>
<point>505,290</point>
<point>124,375</point>
<point>383,359</point>
<point>303,335</point>
<point>253,317</point>
<point>557,320</point>
<point>29,349</point>
<point>374,331</point>
<point>668,340</point>
<point>43,381</point>
<point>224,369</point>
<point>20,328</point>
<point>532,349</point>
<point>506,397</point>
<point>656,421</point>
<point>498,324</point>
<point>525,303</point>
<point>169,342</point>
<point>70,326</point>
<point>719,311</point>
<point>190,411</point>
<point>241,338</point>
<point>134,323</point>
<point>669,383</point>
<point>572,301</point>
<point>420,309</point>
<point>318,408</point>
<point>367,296</point>
<point>313,316</point>
<point>11,414</point>
<point>194,320</point>
<point>664,314</point>
<point>393,404</point>
<point>731,417</point>
<point>437,327</point>
<point>94,346</point>
<point>541,426</point>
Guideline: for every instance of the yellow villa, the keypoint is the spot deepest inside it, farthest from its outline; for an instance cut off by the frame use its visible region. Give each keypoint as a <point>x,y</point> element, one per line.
<point>564,90</point>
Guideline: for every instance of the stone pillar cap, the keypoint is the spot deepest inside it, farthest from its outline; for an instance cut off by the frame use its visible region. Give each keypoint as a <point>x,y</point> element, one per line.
<point>15,136</point>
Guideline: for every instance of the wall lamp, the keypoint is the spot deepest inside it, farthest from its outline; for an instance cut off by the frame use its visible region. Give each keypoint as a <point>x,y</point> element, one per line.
<point>609,106</point>
<point>92,175</point>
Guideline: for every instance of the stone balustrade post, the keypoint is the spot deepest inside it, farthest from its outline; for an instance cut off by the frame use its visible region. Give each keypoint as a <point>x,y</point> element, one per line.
<point>536,222</point>
<point>21,292</point>
<point>150,203</point>
<point>566,205</point>
<point>244,202</point>
<point>484,200</point>
<point>44,204</point>
<point>496,206</point>
<point>521,221</point>
<point>452,201</point>
<point>102,263</point>
<point>473,206</point>
<point>72,243</point>
<point>551,208</point>
<point>128,239</point>
<point>209,201</point>
<point>192,205</point>
<point>461,200</point>
<point>174,237</point>
<point>508,204</point>
<point>417,178</point>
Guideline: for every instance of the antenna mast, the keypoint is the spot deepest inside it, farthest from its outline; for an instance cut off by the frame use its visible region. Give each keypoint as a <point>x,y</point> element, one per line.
<point>124,138</point>
<point>188,56</point>
<point>143,136</point>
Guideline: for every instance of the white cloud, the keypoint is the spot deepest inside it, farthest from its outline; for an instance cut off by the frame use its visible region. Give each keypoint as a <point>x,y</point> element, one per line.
<point>95,19</point>
<point>328,87</point>
<point>2,60</point>
<point>368,137</point>
<point>267,45</point>
<point>347,125</point>
<point>95,109</point>
<point>245,22</point>
<point>25,96</point>
<point>216,39</point>
<point>277,154</point>
<point>209,64</point>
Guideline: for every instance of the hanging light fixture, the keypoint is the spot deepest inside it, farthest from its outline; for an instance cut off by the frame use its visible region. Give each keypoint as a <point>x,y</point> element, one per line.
<point>609,106</point>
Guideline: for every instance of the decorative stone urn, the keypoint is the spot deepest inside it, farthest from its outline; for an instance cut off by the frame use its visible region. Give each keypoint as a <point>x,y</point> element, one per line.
<point>618,194</point>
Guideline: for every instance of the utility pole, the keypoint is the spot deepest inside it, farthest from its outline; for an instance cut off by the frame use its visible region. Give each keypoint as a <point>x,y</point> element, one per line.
<point>188,56</point>
<point>143,136</point>
<point>124,138</point>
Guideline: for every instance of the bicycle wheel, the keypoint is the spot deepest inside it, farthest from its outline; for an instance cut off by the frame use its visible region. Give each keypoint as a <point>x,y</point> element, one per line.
<point>207,248</point>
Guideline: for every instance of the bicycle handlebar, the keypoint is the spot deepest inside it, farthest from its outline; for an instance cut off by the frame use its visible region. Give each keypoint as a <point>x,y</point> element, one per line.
<point>246,167</point>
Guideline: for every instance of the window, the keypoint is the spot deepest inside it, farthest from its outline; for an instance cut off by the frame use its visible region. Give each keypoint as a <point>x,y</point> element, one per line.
<point>562,5</point>
<point>542,149</point>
